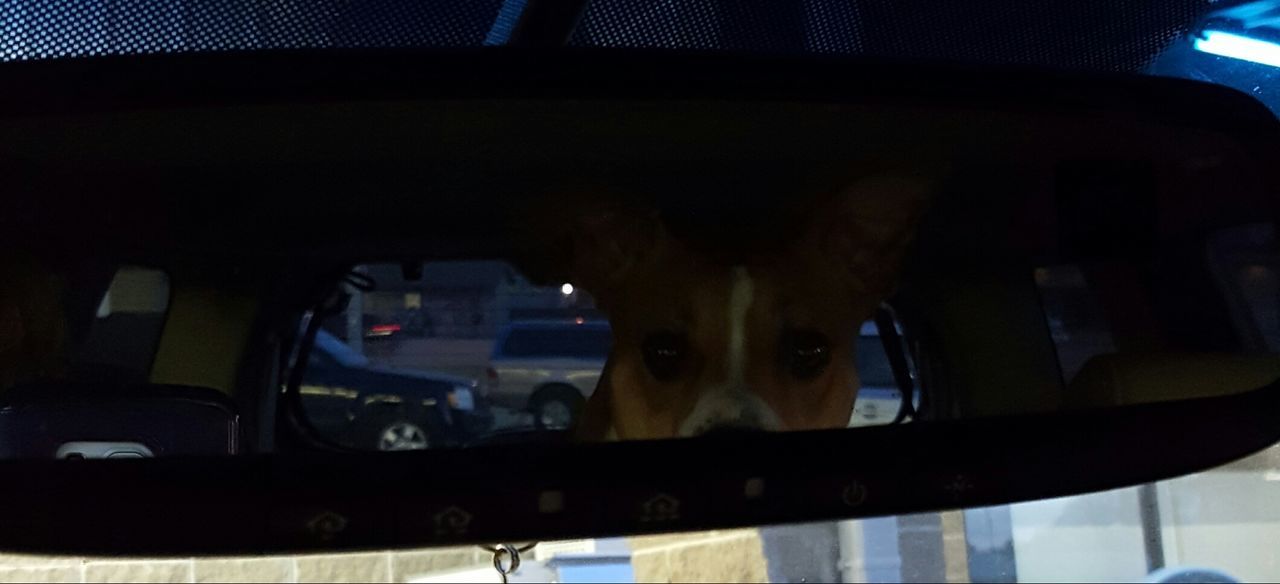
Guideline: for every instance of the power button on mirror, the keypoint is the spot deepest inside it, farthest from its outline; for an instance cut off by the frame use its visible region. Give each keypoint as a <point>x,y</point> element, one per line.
<point>854,494</point>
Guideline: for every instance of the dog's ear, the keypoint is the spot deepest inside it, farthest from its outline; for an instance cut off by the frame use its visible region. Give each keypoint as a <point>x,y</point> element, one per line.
<point>609,243</point>
<point>866,230</point>
<point>585,234</point>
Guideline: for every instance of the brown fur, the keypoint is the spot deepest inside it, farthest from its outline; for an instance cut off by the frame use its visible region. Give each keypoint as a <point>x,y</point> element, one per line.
<point>829,279</point>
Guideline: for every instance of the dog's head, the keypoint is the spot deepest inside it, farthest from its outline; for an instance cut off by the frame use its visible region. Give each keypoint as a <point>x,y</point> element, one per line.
<point>761,342</point>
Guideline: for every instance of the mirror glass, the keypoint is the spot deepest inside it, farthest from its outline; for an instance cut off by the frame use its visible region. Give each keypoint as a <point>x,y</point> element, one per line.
<point>465,352</point>
<point>717,269</point>
<point>473,348</point>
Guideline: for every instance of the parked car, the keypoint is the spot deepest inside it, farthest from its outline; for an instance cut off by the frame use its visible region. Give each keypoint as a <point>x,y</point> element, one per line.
<point>548,367</point>
<point>879,398</point>
<point>379,331</point>
<point>376,328</point>
<point>369,406</point>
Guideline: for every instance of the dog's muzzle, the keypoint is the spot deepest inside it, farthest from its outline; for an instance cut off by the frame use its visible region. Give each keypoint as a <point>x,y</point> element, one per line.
<point>729,411</point>
<point>748,424</point>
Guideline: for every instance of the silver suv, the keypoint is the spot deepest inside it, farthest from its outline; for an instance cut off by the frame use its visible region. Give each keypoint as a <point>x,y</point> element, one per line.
<point>879,398</point>
<point>548,367</point>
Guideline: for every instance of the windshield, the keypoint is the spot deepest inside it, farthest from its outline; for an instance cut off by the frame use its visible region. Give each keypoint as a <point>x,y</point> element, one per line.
<point>1220,525</point>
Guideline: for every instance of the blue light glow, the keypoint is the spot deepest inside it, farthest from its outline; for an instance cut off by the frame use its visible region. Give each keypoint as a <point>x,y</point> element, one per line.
<point>1226,44</point>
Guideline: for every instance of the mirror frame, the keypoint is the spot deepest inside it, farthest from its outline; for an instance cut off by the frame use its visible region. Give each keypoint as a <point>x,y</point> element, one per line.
<point>265,504</point>
<point>299,503</point>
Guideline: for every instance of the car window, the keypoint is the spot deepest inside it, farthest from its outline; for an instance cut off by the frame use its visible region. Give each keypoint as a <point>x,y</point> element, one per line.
<point>873,364</point>
<point>1074,317</point>
<point>1247,272</point>
<point>1260,286</point>
<point>464,352</point>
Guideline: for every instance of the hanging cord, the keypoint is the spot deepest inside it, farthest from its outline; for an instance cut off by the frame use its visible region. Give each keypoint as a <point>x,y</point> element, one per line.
<point>886,325</point>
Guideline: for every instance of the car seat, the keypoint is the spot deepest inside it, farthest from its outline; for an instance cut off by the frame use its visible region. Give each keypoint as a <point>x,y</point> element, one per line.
<point>78,420</point>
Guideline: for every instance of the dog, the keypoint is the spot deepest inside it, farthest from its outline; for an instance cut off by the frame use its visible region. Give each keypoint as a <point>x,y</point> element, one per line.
<point>764,341</point>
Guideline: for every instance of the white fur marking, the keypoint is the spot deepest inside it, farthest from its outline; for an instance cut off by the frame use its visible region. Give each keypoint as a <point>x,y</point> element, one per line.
<point>732,403</point>
<point>740,297</point>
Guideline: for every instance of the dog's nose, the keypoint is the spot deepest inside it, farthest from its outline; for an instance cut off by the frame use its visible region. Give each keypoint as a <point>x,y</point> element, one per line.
<point>727,425</point>
<point>729,411</point>
<point>722,432</point>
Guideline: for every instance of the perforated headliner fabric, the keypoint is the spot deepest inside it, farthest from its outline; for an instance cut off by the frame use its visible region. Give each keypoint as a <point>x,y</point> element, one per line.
<point>42,29</point>
<point>1117,35</point>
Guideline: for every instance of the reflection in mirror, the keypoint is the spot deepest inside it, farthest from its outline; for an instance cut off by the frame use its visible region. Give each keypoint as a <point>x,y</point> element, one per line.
<point>1129,332</point>
<point>465,353</point>
<point>81,392</point>
<point>473,351</point>
<point>447,354</point>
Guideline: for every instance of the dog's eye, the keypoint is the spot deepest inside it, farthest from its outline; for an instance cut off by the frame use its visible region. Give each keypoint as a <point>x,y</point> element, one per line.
<point>805,354</point>
<point>664,354</point>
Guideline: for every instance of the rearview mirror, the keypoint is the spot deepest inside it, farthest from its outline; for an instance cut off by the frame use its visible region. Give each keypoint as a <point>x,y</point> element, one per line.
<point>654,296</point>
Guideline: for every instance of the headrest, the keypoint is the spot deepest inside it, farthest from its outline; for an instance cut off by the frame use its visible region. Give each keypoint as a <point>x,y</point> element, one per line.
<point>1122,379</point>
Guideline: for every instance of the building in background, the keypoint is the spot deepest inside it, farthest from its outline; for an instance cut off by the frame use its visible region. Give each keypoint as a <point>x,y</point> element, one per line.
<point>464,299</point>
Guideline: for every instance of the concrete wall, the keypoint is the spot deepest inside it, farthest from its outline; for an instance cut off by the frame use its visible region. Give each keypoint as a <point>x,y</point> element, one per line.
<point>1226,519</point>
<point>368,567</point>
<point>713,556</point>
<point>1095,538</point>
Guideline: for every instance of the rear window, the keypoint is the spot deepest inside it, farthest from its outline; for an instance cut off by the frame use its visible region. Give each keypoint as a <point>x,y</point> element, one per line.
<point>1076,321</point>
<point>573,342</point>
<point>873,364</point>
<point>1247,267</point>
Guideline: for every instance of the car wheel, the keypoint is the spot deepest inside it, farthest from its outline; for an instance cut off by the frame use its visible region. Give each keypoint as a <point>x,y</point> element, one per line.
<point>556,407</point>
<point>402,435</point>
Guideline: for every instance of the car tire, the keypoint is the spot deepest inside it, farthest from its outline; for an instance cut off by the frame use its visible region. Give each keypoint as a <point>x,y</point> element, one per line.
<point>392,433</point>
<point>556,407</point>
<point>403,435</point>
